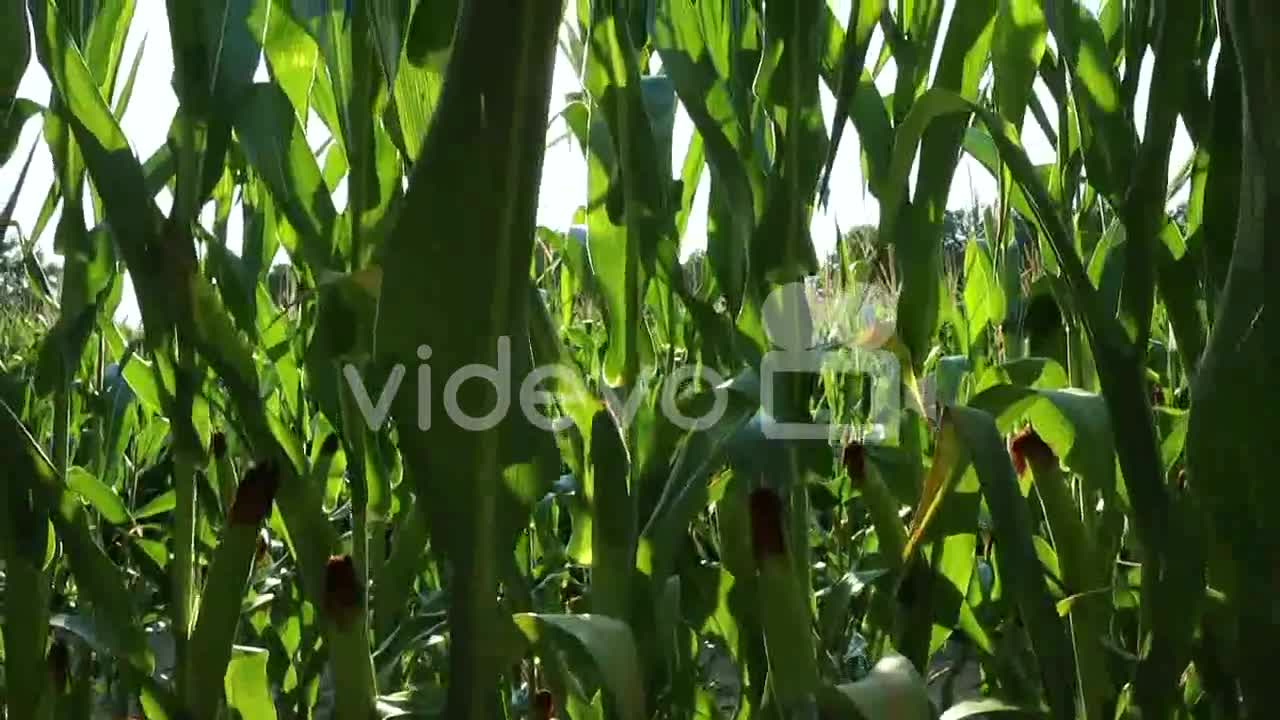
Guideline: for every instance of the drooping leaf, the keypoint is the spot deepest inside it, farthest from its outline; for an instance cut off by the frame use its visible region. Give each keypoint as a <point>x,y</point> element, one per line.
<point>864,15</point>
<point>893,689</point>
<point>98,494</point>
<point>12,119</point>
<point>247,686</point>
<point>1020,569</point>
<point>607,641</point>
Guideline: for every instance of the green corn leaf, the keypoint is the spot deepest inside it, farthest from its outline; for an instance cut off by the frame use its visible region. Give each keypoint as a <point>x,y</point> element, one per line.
<point>389,26</point>
<point>1146,194</point>
<point>608,642</point>
<point>1020,569</point>
<point>212,330</point>
<point>97,577</point>
<point>871,119</point>
<point>16,55</point>
<point>211,82</point>
<point>135,222</point>
<point>989,707</point>
<point>918,248</point>
<point>1157,519</point>
<point>1229,455</point>
<point>911,43</point>
<point>1219,183</point>
<point>781,249</point>
<point>984,298</point>
<point>1077,427</point>
<point>210,648</point>
<point>247,685</point>
<point>885,510</point>
<point>394,580</point>
<point>274,144</point>
<point>1107,134</point>
<point>531,460</point>
<point>1081,572</point>
<point>12,120</point>
<point>1016,51</point>
<point>697,63</point>
<point>893,689</point>
<point>431,32</point>
<point>935,562</point>
<point>26,600</point>
<point>613,247</point>
<point>1180,289</point>
<point>126,92</point>
<point>700,453</point>
<point>330,27</point>
<point>88,274</point>
<point>160,504</point>
<point>483,153</point>
<point>613,541</point>
<point>98,494</point>
<point>630,231</point>
<point>864,15</point>
<point>417,91</point>
<point>291,56</point>
<point>690,176</point>
<point>104,45</point>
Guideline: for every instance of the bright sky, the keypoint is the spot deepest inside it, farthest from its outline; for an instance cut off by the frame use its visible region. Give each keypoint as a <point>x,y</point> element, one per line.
<point>563,189</point>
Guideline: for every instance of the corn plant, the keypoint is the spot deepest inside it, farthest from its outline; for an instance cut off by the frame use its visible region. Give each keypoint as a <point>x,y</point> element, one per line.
<point>1040,483</point>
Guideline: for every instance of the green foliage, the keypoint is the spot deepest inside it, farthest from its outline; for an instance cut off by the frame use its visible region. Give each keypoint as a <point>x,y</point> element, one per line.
<point>264,502</point>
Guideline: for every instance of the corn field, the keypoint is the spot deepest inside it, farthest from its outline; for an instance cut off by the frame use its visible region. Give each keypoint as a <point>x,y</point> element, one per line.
<point>393,448</point>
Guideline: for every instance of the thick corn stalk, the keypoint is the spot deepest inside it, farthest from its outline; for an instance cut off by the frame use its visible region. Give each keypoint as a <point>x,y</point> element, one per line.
<point>1231,450</point>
